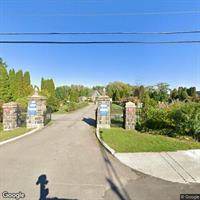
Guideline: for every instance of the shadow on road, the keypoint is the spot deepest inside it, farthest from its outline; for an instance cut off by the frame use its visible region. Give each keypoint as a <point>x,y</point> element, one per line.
<point>113,179</point>
<point>89,121</point>
<point>42,181</point>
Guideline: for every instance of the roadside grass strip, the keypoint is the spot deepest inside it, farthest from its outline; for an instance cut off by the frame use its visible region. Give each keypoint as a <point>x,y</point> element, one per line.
<point>6,135</point>
<point>132,141</point>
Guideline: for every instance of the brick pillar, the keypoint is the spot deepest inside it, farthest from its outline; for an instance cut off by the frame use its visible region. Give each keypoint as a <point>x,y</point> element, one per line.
<point>103,112</point>
<point>36,111</point>
<point>130,116</point>
<point>10,116</point>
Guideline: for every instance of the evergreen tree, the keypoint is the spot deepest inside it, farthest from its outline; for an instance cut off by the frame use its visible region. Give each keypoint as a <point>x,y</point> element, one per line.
<point>42,84</point>
<point>74,94</point>
<point>48,90</point>
<point>5,94</point>
<point>27,84</point>
<point>174,94</point>
<point>192,92</point>
<point>19,84</point>
<point>51,87</point>
<point>182,93</point>
<point>47,87</point>
<point>12,82</point>
<point>44,87</point>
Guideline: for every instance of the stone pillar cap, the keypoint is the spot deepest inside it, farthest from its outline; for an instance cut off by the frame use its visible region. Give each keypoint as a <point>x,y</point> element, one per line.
<point>10,104</point>
<point>130,104</point>
<point>36,96</point>
<point>104,97</point>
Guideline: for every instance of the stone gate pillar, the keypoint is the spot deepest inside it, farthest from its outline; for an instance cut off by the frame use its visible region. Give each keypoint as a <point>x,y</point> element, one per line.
<point>36,111</point>
<point>130,116</point>
<point>103,112</point>
<point>10,116</point>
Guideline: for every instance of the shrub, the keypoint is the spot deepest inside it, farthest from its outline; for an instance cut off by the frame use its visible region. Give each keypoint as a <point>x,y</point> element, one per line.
<point>52,103</point>
<point>23,103</point>
<point>157,118</point>
<point>186,118</point>
<point>176,119</point>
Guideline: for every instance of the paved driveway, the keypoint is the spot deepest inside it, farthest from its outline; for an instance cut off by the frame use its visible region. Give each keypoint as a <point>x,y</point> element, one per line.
<point>68,155</point>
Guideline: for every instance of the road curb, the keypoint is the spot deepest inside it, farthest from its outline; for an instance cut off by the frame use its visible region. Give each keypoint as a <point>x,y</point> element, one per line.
<point>112,151</point>
<point>21,136</point>
<point>115,154</point>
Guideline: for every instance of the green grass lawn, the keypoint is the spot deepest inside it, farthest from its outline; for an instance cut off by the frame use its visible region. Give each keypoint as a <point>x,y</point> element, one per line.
<point>116,109</point>
<point>5,135</point>
<point>117,122</point>
<point>116,112</point>
<point>71,107</point>
<point>132,141</point>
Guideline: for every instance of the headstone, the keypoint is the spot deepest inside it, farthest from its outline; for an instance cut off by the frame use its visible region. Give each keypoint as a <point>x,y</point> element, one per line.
<point>103,112</point>
<point>130,116</point>
<point>36,111</point>
<point>10,116</point>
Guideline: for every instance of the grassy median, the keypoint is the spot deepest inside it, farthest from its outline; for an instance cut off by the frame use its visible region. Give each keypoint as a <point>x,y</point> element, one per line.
<point>132,141</point>
<point>5,135</point>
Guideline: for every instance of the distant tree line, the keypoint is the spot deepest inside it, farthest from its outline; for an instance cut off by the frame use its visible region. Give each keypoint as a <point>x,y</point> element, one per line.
<point>72,93</point>
<point>173,112</point>
<point>180,113</point>
<point>63,95</point>
<point>161,92</point>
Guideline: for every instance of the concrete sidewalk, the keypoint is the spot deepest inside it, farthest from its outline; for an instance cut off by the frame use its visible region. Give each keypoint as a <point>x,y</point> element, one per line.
<point>180,166</point>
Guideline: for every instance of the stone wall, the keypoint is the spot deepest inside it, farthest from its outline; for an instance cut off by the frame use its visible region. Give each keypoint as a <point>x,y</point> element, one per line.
<point>11,114</point>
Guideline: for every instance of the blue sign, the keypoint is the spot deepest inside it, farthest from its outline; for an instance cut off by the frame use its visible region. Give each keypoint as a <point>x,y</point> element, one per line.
<point>103,110</point>
<point>32,108</point>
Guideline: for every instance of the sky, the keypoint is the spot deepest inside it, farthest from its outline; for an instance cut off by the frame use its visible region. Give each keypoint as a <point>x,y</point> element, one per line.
<point>176,64</point>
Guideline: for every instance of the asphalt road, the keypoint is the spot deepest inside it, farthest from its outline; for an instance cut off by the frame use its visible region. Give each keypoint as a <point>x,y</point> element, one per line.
<point>65,161</point>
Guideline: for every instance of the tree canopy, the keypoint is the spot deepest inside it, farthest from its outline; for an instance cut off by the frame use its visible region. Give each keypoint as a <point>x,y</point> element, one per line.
<point>13,85</point>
